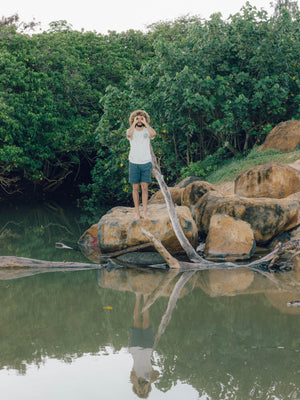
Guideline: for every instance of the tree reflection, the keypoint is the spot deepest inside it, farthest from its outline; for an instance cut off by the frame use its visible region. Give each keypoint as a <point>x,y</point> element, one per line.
<point>228,334</point>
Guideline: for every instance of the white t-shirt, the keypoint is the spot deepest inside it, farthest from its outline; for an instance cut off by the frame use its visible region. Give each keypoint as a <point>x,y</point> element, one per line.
<point>140,147</point>
<point>142,362</point>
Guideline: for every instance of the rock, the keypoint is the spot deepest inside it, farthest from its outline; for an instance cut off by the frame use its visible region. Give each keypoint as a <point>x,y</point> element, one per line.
<point>142,258</point>
<point>267,217</point>
<point>187,181</point>
<point>194,191</point>
<point>118,229</point>
<point>88,244</point>
<point>284,237</point>
<point>295,233</point>
<point>229,239</point>
<point>273,180</point>
<point>285,137</point>
<point>175,194</point>
<point>228,282</point>
<point>154,283</point>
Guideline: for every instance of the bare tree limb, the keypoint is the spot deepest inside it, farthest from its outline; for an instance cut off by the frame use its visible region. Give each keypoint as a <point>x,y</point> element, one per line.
<point>171,261</point>
<point>188,248</point>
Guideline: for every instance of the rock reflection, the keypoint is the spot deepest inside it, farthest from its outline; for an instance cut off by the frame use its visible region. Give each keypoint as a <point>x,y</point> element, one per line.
<point>148,286</point>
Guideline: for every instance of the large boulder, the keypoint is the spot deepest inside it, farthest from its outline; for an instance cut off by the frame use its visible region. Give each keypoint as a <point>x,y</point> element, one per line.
<point>194,191</point>
<point>229,239</point>
<point>175,192</point>
<point>227,282</point>
<point>118,229</point>
<point>267,217</point>
<point>285,137</point>
<point>272,180</point>
<point>187,181</point>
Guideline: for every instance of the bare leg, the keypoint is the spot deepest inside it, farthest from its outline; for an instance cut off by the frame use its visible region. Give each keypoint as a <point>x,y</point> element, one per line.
<point>146,318</point>
<point>137,312</point>
<point>144,186</point>
<point>136,198</point>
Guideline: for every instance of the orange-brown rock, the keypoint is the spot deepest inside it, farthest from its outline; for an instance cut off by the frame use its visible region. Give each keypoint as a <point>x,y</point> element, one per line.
<point>267,217</point>
<point>194,191</point>
<point>229,239</point>
<point>118,229</point>
<point>175,194</point>
<point>88,243</point>
<point>272,180</point>
<point>228,282</point>
<point>187,181</point>
<point>146,281</point>
<point>284,137</point>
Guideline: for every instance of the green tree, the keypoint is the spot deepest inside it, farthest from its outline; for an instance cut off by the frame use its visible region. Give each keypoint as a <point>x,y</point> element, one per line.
<point>50,88</point>
<point>212,88</point>
<point>289,5</point>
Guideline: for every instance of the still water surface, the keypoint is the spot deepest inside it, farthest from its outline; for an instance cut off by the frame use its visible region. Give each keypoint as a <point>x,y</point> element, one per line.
<point>129,334</point>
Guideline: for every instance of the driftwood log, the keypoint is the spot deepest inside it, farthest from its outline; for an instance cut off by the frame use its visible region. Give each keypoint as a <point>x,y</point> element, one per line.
<point>19,262</point>
<point>197,262</point>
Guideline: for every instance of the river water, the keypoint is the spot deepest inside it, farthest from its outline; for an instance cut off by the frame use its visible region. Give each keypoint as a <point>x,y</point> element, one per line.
<point>137,333</point>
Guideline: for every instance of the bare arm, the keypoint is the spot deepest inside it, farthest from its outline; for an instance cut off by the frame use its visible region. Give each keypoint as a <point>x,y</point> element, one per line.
<point>151,131</point>
<point>131,129</point>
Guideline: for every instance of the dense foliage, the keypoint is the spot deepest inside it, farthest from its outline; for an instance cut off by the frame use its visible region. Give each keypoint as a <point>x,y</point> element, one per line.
<point>213,88</point>
<point>50,87</point>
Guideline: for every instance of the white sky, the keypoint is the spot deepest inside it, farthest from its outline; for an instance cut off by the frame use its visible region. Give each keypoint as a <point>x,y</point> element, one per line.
<point>119,15</point>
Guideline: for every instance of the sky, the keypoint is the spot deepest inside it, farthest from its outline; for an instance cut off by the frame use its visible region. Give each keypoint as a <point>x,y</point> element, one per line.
<point>119,15</point>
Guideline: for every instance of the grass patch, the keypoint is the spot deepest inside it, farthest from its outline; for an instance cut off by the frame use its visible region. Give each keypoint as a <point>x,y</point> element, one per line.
<point>231,168</point>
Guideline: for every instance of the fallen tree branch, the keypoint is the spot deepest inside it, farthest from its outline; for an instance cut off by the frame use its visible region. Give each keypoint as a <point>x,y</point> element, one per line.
<point>171,261</point>
<point>264,264</point>
<point>105,256</point>
<point>22,262</point>
<point>188,248</point>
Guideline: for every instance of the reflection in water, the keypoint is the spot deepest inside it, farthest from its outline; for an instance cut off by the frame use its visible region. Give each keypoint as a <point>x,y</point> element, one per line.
<point>225,346</point>
<point>142,342</point>
<point>218,346</point>
<point>227,334</point>
<point>32,231</point>
<point>141,348</point>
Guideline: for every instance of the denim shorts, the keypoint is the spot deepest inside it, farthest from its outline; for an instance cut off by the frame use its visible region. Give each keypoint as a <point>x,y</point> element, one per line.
<point>140,172</point>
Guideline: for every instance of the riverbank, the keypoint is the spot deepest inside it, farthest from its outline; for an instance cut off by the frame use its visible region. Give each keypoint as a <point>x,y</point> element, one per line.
<point>227,186</point>
<point>231,168</point>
